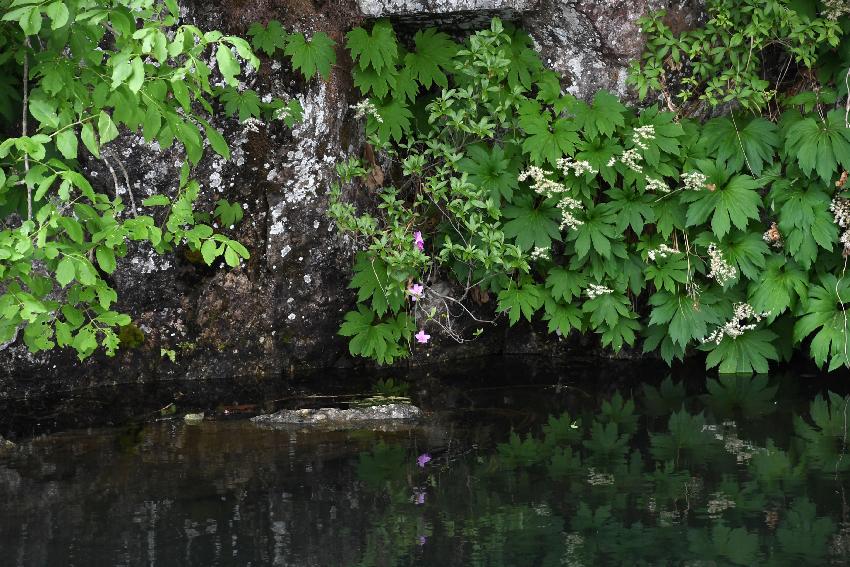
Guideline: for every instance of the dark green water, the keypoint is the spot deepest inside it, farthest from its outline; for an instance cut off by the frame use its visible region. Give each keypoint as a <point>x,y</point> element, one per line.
<point>528,466</point>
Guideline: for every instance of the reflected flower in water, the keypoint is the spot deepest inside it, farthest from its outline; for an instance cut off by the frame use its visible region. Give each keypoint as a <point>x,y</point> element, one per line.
<point>418,496</point>
<point>421,540</point>
<point>423,460</point>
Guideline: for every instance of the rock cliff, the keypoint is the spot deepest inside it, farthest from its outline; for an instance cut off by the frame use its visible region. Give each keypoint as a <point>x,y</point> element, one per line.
<point>280,312</point>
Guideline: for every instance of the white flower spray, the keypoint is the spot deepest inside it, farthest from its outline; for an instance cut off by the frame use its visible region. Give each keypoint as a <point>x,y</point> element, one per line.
<point>366,109</point>
<point>744,318</point>
<point>721,271</point>
<point>595,290</point>
<point>548,188</point>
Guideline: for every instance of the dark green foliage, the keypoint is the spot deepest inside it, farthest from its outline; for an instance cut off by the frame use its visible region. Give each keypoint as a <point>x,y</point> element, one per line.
<point>646,228</point>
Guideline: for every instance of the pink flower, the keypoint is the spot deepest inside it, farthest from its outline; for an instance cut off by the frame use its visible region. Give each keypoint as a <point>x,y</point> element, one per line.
<point>415,291</point>
<point>418,240</point>
<point>423,459</point>
<point>422,540</point>
<point>421,337</point>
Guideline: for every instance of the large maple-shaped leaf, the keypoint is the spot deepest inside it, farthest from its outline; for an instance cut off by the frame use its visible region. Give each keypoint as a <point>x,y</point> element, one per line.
<point>632,209</point>
<point>395,122</point>
<point>744,354</point>
<point>565,284</point>
<point>491,170</point>
<point>378,84</point>
<point>596,232</point>
<point>778,286</point>
<point>753,144</point>
<point>434,53</point>
<point>532,226</point>
<point>820,145</point>
<point>372,282</point>
<point>522,299</point>
<point>562,317</point>
<point>545,141</point>
<point>377,49</point>
<point>686,319</point>
<point>826,311</point>
<point>310,57</point>
<point>525,62</point>
<point>734,201</point>
<point>268,38</point>
<point>604,116</point>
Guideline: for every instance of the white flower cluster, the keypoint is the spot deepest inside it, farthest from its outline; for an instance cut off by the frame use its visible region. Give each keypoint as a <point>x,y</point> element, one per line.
<point>544,186</point>
<point>721,270</point>
<point>540,253</point>
<point>661,252</point>
<point>595,290</point>
<point>737,325</point>
<point>718,503</point>
<point>630,159</point>
<point>694,180</point>
<point>579,167</point>
<point>656,185</point>
<point>253,124</point>
<point>840,208</point>
<point>834,9</point>
<point>282,113</point>
<point>642,135</point>
<point>366,109</point>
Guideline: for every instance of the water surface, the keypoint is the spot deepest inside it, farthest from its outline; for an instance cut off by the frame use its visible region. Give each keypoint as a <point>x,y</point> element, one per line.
<point>514,465</point>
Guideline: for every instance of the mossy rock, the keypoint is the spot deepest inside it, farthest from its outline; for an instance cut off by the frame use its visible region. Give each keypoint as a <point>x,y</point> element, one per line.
<point>131,336</point>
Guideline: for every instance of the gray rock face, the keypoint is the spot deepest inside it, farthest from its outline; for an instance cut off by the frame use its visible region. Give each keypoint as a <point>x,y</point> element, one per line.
<point>336,418</point>
<point>280,311</point>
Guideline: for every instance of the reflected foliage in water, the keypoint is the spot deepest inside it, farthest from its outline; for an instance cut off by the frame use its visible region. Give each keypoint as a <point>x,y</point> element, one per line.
<point>659,479</point>
<point>735,474</point>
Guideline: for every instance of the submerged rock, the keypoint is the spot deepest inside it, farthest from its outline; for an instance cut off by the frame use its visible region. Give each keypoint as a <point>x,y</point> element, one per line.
<point>5,444</point>
<point>193,418</point>
<point>341,417</point>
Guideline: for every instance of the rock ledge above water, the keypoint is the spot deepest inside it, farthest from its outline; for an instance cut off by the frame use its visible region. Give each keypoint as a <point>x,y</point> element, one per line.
<point>344,417</point>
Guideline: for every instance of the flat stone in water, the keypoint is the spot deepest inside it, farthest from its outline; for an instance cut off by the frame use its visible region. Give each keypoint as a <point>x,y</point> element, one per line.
<point>337,417</point>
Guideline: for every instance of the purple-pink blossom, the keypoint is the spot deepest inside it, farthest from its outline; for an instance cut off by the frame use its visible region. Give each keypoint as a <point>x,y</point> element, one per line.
<point>422,337</point>
<point>423,460</point>
<point>418,240</point>
<point>415,291</point>
<point>419,496</point>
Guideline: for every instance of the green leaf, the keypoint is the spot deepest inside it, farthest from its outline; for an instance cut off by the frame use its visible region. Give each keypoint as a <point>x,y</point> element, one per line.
<point>269,38</point>
<point>210,251</point>
<point>246,103</point>
<point>377,49</point>
<point>745,354</point>
<point>734,200</point>
<point>372,282</point>
<point>754,144</point>
<point>522,299</point>
<point>309,57</point>
<point>44,111</point>
<point>65,271</point>
<point>395,123</point>
<point>137,75</point>
<point>106,128</point>
<point>604,116</point>
<point>826,311</point>
<point>532,226</point>
<point>105,259</point>
<point>490,170</point>
<point>58,14</point>
<point>228,66</point>
<point>434,53</point>
<point>820,146</point>
<point>66,143</point>
<point>544,143</point>
<point>564,284</point>
<point>217,141</point>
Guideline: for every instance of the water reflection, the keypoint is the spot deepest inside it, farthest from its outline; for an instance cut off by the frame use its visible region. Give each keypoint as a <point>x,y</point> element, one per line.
<point>735,474</point>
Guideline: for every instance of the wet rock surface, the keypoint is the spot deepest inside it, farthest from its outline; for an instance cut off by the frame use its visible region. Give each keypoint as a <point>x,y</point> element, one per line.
<point>278,314</point>
<point>342,418</point>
